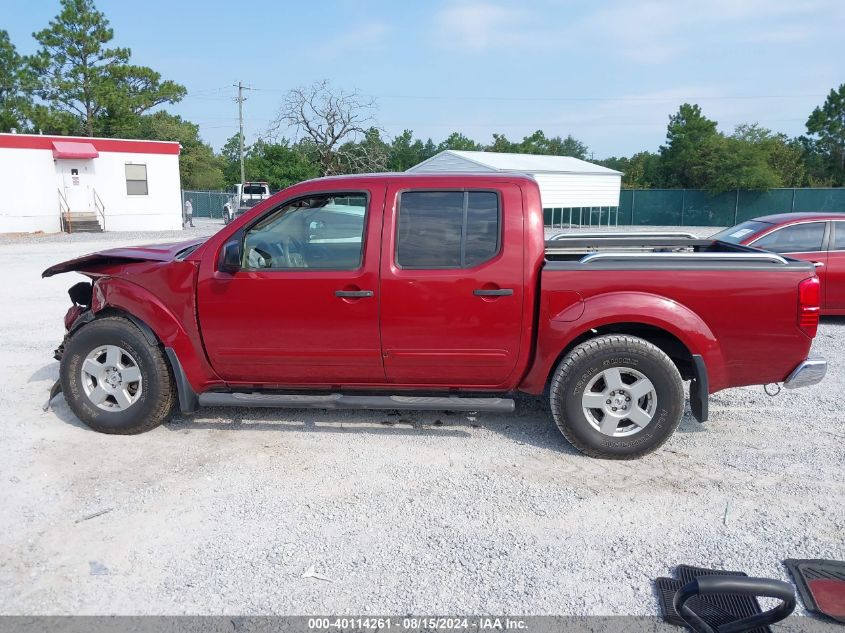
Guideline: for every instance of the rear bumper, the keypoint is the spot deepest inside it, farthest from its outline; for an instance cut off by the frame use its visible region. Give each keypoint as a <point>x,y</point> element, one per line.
<point>809,372</point>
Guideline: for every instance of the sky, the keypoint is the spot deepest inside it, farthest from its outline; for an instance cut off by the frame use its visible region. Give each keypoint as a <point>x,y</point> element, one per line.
<point>608,72</point>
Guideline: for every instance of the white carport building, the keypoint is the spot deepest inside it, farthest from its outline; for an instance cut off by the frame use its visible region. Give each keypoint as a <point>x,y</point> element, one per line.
<point>573,191</point>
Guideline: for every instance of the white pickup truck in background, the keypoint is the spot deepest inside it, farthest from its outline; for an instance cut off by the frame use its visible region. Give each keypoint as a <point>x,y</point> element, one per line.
<point>244,197</point>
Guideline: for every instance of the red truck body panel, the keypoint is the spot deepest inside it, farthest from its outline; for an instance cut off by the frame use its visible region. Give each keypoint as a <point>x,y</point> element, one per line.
<point>700,308</point>
<point>427,329</point>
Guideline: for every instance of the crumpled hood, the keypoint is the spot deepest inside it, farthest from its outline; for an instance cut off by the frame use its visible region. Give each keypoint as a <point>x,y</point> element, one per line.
<point>125,255</point>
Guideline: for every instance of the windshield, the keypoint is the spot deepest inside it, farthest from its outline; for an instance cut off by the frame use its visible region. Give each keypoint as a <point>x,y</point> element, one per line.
<point>740,232</point>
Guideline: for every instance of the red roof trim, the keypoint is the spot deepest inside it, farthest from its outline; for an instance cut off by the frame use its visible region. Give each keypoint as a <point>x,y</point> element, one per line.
<point>32,141</point>
<point>74,149</point>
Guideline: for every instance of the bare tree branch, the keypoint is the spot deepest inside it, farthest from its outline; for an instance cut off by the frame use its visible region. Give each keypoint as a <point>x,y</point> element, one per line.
<point>333,120</point>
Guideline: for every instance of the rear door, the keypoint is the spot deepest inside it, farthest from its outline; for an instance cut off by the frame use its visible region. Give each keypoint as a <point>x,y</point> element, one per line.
<point>452,285</point>
<point>803,240</point>
<point>834,289</point>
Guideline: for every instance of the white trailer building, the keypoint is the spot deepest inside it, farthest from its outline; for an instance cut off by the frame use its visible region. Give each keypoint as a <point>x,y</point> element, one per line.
<point>56,183</point>
<point>573,191</point>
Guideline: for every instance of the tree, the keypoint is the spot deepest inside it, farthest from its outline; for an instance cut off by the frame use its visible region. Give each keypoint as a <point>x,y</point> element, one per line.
<point>330,118</point>
<point>537,143</point>
<point>405,151</point>
<point>14,100</point>
<point>826,127</point>
<point>230,153</point>
<point>691,140</point>
<point>368,155</point>
<point>784,156</point>
<point>569,146</point>
<point>458,141</point>
<point>735,163</point>
<point>81,76</point>
<point>640,171</point>
<point>136,90</point>
<point>502,144</point>
<point>198,166</point>
<point>280,164</point>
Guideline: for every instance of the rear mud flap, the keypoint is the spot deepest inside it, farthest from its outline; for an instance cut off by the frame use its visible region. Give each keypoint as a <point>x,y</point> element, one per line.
<point>55,390</point>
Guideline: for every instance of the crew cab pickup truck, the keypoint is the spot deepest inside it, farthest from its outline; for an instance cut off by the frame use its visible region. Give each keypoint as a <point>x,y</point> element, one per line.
<point>436,292</point>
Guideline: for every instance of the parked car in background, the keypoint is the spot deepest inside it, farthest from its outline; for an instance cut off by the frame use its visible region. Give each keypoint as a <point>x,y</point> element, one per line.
<point>244,197</point>
<point>437,292</point>
<point>813,237</point>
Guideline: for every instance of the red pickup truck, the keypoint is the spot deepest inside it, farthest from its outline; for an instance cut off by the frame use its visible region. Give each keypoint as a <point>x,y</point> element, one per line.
<point>436,292</point>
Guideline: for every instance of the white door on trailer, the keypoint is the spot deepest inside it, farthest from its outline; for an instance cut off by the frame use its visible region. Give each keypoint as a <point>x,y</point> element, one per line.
<point>75,184</point>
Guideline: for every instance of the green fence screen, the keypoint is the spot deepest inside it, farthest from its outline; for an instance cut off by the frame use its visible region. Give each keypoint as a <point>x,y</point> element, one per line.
<point>647,207</point>
<point>694,207</point>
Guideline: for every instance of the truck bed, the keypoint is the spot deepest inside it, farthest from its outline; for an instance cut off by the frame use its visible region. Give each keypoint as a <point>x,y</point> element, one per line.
<point>655,250</point>
<point>741,301</point>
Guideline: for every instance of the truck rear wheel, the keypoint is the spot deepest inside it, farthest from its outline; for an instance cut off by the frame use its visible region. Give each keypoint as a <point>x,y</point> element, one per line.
<point>617,397</point>
<point>114,380</point>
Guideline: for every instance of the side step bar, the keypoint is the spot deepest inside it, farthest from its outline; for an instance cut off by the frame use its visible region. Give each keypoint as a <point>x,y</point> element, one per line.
<point>343,401</point>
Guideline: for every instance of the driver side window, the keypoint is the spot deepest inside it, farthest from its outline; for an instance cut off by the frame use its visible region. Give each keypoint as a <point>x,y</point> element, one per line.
<point>322,232</point>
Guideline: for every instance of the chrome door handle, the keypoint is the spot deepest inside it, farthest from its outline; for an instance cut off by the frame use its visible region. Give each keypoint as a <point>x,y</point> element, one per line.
<point>818,264</point>
<point>353,294</point>
<point>499,292</point>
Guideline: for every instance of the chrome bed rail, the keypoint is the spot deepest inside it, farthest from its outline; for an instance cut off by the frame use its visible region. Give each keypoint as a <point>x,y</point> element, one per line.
<point>772,258</point>
<point>618,234</point>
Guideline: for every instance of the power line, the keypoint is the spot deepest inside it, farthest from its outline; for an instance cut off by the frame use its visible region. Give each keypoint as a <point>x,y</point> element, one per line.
<point>646,99</point>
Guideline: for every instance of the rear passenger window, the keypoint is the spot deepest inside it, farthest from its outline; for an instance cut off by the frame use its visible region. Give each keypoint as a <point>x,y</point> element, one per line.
<point>839,242</point>
<point>447,229</point>
<point>798,238</point>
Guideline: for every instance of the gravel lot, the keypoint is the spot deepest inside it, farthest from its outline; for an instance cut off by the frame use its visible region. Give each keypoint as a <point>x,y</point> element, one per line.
<point>227,511</point>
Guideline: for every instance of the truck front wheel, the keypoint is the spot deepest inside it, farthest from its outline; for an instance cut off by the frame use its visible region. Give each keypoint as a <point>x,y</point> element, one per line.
<point>114,380</point>
<point>617,397</point>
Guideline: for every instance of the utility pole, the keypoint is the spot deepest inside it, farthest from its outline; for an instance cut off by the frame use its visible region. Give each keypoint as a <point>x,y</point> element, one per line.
<point>240,99</point>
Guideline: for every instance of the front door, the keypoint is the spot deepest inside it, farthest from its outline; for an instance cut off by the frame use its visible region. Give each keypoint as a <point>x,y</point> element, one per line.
<point>834,289</point>
<point>452,286</point>
<point>75,184</point>
<point>303,308</point>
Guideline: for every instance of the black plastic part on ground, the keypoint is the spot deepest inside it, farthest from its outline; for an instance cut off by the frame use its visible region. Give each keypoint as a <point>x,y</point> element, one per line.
<point>716,610</point>
<point>808,572</point>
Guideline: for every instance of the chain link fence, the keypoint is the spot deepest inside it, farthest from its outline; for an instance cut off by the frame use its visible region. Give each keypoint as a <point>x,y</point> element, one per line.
<point>206,204</point>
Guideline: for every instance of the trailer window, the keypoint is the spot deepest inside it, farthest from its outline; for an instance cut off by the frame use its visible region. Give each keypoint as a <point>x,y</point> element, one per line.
<point>136,180</point>
<point>447,229</point>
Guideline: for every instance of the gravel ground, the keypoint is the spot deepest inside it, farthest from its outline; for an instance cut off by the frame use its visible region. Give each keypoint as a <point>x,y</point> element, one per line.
<point>229,510</point>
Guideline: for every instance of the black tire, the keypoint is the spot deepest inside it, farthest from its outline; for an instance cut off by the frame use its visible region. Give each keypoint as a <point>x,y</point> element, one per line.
<point>581,366</point>
<point>157,391</point>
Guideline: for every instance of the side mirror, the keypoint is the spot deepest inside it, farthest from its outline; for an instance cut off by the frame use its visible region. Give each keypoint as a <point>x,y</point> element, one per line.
<point>230,256</point>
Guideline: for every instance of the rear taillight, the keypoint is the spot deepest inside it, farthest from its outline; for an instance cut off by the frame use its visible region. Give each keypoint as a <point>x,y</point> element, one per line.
<point>809,306</point>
